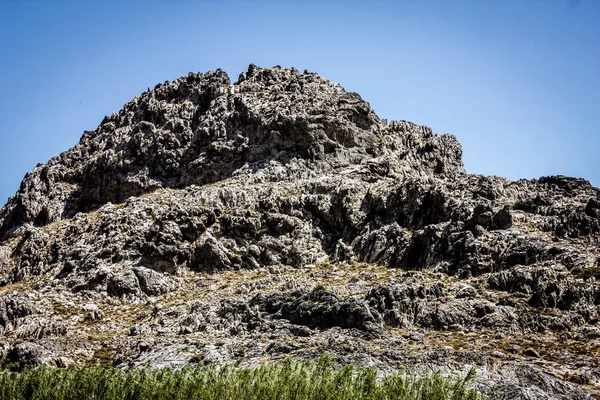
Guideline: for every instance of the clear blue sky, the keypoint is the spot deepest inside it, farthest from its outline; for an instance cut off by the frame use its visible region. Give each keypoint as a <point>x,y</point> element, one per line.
<point>518,82</point>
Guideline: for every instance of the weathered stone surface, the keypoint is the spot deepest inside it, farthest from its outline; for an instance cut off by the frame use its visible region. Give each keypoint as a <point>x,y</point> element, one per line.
<point>281,216</point>
<point>13,309</point>
<point>319,309</point>
<point>29,354</point>
<point>152,283</point>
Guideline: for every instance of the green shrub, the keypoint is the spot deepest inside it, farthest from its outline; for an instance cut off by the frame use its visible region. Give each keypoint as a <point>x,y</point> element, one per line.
<point>289,380</point>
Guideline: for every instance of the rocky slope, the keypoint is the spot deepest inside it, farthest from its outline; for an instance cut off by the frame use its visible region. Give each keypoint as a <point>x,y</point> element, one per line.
<point>281,216</point>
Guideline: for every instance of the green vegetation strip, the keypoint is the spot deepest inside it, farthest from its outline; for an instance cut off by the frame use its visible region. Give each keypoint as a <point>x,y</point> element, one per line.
<point>292,379</point>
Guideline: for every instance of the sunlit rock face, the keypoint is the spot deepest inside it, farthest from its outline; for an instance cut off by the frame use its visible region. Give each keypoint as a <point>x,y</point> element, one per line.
<point>280,215</point>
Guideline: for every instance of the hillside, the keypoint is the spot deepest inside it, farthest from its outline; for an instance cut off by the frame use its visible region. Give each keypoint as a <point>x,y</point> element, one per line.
<point>280,216</point>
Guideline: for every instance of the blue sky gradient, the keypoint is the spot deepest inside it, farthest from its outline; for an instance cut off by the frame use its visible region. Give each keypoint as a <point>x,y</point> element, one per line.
<point>518,82</point>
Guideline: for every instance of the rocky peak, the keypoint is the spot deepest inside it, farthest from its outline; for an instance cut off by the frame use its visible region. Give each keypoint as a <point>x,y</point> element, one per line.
<point>272,124</point>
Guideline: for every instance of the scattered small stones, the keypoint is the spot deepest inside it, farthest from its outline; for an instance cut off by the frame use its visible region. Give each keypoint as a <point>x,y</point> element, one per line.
<point>466,292</point>
<point>416,336</point>
<point>498,354</point>
<point>139,329</point>
<point>94,315</point>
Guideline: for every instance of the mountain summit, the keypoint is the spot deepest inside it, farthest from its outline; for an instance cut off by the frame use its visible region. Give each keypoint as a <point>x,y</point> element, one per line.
<point>280,215</point>
<point>272,124</point>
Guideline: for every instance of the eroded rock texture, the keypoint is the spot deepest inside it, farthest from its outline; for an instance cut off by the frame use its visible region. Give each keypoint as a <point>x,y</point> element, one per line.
<point>281,216</point>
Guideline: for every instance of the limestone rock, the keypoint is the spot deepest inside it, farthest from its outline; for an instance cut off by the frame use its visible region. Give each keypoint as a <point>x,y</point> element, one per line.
<point>279,215</point>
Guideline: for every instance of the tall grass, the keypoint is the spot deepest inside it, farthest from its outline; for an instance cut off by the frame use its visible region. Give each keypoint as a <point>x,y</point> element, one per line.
<point>289,380</point>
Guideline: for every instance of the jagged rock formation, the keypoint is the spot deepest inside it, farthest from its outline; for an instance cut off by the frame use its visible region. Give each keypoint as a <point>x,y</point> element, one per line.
<point>280,216</point>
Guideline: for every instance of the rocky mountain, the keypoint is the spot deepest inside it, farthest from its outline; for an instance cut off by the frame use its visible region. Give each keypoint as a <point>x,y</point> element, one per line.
<point>280,216</point>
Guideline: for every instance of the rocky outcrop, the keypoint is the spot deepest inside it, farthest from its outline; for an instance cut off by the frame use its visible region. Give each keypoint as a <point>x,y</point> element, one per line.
<point>13,309</point>
<point>319,309</point>
<point>279,215</point>
<point>200,129</point>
